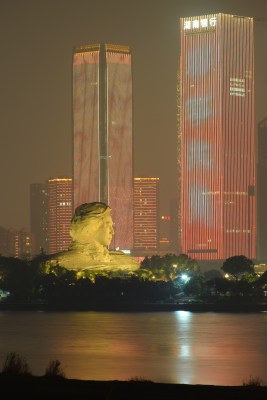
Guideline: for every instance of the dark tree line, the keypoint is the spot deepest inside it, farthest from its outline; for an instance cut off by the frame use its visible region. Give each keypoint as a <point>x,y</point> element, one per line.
<point>159,279</point>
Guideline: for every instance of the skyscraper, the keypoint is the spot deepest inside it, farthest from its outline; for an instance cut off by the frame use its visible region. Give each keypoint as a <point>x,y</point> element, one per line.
<point>262,191</point>
<point>59,213</point>
<point>164,243</point>
<point>39,216</point>
<point>216,136</point>
<point>102,117</point>
<point>146,203</point>
<point>19,243</point>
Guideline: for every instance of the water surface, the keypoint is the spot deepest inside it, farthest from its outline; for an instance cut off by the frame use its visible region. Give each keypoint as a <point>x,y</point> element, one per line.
<point>174,347</point>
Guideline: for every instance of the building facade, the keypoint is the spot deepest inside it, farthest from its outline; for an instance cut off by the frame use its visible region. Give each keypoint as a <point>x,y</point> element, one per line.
<point>262,191</point>
<point>19,243</point>
<point>165,242</point>
<point>59,213</point>
<point>102,147</point>
<point>39,216</point>
<point>216,137</point>
<point>146,202</point>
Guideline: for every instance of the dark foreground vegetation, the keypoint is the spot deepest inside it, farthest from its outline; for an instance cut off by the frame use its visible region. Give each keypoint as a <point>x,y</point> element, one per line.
<point>60,388</point>
<point>16,381</point>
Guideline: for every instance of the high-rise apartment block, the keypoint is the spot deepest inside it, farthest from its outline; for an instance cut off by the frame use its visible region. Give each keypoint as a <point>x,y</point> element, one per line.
<point>102,117</point>
<point>216,136</point>
<point>19,243</point>
<point>59,213</point>
<point>146,201</point>
<point>39,216</point>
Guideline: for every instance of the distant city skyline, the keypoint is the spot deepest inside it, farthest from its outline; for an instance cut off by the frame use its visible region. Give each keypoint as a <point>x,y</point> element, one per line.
<point>36,80</point>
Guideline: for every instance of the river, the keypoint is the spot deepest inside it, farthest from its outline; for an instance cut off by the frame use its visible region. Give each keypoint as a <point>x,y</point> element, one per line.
<point>173,347</point>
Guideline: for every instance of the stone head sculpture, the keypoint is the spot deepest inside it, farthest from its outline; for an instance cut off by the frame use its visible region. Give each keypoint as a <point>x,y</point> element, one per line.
<point>92,223</point>
<point>91,232</point>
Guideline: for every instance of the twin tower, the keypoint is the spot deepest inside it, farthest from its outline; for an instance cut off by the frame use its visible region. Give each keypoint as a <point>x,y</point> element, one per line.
<point>102,112</point>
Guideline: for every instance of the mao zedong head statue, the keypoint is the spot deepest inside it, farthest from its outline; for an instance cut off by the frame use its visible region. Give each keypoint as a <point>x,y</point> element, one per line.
<point>91,232</point>
<point>91,228</point>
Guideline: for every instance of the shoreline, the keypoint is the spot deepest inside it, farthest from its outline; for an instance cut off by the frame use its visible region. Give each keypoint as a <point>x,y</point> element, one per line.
<point>136,307</point>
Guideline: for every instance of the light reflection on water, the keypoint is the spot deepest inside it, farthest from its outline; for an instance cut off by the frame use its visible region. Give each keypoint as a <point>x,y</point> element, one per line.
<point>177,347</point>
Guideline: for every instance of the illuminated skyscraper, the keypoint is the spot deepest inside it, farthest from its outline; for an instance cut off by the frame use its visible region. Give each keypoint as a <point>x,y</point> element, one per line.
<point>59,213</point>
<point>216,136</point>
<point>102,116</point>
<point>146,203</point>
<point>262,191</point>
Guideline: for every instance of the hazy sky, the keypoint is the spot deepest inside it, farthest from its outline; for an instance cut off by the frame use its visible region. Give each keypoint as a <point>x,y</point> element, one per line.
<point>37,42</point>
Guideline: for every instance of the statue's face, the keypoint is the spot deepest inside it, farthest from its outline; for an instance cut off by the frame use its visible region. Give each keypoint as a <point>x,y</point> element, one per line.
<point>105,231</point>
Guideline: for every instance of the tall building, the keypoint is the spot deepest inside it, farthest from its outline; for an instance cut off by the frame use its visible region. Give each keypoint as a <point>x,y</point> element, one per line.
<point>59,213</point>
<point>146,202</point>
<point>39,216</point>
<point>262,191</point>
<point>16,243</point>
<point>19,243</point>
<point>164,242</point>
<point>102,117</point>
<point>216,136</point>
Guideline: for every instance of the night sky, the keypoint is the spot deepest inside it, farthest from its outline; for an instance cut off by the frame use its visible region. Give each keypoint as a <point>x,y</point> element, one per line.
<point>37,42</point>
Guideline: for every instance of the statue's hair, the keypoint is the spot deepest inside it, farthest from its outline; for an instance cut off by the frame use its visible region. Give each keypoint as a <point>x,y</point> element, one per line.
<point>90,210</point>
<point>86,211</point>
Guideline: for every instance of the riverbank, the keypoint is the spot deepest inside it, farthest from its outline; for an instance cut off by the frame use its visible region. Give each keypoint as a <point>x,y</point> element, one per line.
<point>42,388</point>
<point>137,307</point>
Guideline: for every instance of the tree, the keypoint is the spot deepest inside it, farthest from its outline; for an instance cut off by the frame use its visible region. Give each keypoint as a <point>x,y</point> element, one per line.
<point>196,286</point>
<point>170,266</point>
<point>212,274</point>
<point>219,286</point>
<point>238,266</point>
<point>187,264</point>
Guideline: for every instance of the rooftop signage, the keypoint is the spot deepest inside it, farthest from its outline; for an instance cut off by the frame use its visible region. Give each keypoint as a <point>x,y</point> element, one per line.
<point>200,23</point>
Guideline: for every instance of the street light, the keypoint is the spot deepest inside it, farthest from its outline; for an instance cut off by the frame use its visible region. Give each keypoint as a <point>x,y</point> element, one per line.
<point>185,278</point>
